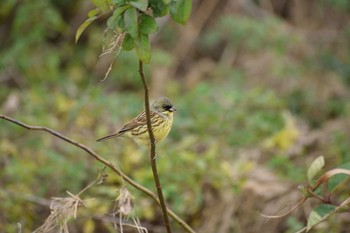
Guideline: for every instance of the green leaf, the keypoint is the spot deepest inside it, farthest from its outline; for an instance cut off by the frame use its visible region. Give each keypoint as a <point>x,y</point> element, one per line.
<point>166,1</point>
<point>315,168</point>
<point>101,4</point>
<point>116,20</point>
<point>148,24</point>
<point>131,24</point>
<point>93,12</point>
<point>336,180</point>
<point>180,10</point>
<point>128,42</point>
<point>319,214</point>
<point>140,4</point>
<point>143,48</point>
<point>83,26</point>
<point>118,2</point>
<point>159,9</point>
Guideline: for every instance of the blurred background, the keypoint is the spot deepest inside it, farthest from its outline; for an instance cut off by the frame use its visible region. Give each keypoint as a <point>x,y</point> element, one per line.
<point>261,87</point>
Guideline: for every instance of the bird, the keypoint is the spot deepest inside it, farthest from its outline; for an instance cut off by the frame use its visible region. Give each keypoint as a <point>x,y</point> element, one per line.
<point>161,113</point>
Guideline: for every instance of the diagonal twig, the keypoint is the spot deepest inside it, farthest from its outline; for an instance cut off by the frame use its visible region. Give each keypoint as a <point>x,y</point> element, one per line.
<point>174,216</point>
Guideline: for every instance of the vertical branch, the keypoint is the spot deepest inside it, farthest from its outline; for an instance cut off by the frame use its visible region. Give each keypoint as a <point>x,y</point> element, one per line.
<point>153,151</point>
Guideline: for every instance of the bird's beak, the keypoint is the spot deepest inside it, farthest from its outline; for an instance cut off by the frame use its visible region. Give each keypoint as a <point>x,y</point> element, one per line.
<point>172,109</point>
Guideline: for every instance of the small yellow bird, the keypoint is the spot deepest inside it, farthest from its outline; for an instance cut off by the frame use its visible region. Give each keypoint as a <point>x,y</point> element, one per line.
<point>162,112</point>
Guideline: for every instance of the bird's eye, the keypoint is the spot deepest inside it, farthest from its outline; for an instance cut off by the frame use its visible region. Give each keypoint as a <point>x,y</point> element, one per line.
<point>166,107</point>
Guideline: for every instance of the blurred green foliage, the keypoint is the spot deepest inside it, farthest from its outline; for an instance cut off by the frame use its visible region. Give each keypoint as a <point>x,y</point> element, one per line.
<point>57,83</point>
<point>340,4</point>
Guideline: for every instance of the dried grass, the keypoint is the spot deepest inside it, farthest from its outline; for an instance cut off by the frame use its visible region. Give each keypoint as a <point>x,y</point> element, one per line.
<point>62,209</point>
<point>113,48</point>
<point>123,209</point>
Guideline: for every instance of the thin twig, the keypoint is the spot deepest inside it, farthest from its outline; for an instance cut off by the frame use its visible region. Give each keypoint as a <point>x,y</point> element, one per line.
<point>19,228</point>
<point>325,177</point>
<point>105,162</point>
<point>153,151</point>
<point>300,202</point>
<point>115,48</point>
<point>99,180</point>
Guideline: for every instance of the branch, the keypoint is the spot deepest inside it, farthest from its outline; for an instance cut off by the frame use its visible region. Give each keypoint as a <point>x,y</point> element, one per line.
<point>300,202</point>
<point>325,177</point>
<point>103,161</point>
<point>153,151</point>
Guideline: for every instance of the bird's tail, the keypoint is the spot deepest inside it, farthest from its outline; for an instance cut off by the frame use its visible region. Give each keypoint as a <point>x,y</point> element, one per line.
<point>109,136</point>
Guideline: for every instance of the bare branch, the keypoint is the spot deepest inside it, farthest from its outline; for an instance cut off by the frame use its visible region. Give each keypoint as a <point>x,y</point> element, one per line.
<point>103,161</point>
<point>153,151</point>
<point>300,202</point>
<point>325,177</point>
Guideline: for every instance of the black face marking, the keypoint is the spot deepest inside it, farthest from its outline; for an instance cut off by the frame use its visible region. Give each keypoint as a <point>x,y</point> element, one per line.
<point>167,107</point>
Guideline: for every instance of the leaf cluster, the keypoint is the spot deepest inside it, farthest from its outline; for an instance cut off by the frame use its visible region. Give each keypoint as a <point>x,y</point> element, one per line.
<point>322,188</point>
<point>135,20</point>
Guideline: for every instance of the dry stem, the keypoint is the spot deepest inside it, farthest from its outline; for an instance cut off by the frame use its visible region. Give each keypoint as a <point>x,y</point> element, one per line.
<point>103,161</point>
<point>153,151</point>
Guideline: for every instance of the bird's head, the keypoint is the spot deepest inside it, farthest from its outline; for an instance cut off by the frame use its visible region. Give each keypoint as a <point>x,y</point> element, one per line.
<point>163,105</point>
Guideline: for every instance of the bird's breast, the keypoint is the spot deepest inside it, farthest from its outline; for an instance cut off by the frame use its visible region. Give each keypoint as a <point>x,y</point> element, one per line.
<point>162,128</point>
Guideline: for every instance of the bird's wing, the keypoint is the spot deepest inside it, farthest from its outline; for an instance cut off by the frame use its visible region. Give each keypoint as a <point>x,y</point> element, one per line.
<point>127,127</point>
<point>136,122</point>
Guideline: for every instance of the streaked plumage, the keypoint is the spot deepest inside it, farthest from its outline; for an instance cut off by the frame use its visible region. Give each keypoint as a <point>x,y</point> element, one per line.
<point>162,112</point>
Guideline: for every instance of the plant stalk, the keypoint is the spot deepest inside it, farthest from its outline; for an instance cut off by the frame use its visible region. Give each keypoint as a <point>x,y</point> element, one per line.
<point>153,151</point>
